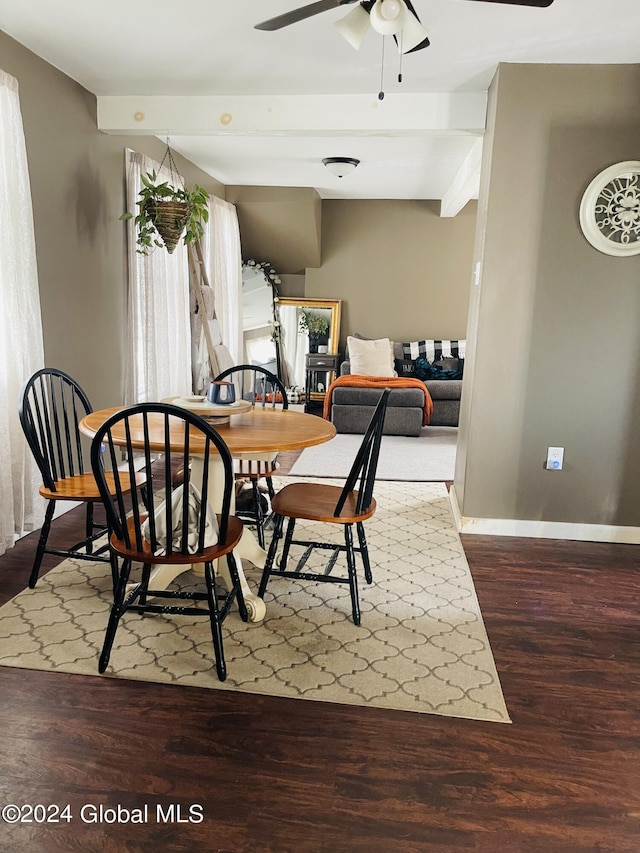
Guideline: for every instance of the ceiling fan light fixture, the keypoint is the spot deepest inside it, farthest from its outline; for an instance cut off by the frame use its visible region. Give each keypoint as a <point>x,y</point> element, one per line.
<point>413,34</point>
<point>340,166</point>
<point>354,26</point>
<point>388,17</point>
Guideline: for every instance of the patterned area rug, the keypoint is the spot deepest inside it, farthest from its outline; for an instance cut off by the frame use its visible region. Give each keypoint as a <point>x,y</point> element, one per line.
<point>422,645</point>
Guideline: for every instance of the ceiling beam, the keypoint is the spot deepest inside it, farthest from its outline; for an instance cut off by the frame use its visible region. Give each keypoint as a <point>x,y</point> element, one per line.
<point>466,183</point>
<point>185,115</point>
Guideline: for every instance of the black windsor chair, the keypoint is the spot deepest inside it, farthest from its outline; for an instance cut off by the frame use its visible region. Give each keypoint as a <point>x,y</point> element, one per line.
<point>181,530</point>
<point>352,504</point>
<point>262,388</point>
<point>50,408</point>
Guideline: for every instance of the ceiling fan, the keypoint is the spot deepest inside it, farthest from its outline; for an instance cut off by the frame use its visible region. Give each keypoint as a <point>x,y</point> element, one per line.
<point>387,17</point>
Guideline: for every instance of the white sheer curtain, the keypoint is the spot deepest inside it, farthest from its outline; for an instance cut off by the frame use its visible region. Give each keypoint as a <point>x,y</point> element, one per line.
<point>223,258</point>
<point>21,347</point>
<point>158,332</point>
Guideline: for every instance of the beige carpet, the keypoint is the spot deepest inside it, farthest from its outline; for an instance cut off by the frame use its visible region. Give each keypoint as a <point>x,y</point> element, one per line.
<point>422,645</point>
<point>429,456</point>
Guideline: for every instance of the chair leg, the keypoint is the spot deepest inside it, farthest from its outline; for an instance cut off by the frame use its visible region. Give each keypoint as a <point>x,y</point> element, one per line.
<point>270,488</point>
<point>144,583</point>
<point>287,543</point>
<point>114,617</point>
<point>353,578</point>
<point>114,571</point>
<point>273,547</point>
<point>89,526</point>
<point>214,619</point>
<point>364,551</point>
<point>258,511</point>
<point>235,579</point>
<point>42,544</point>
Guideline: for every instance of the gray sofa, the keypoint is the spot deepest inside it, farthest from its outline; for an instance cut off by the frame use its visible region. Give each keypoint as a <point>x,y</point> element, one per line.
<point>352,407</point>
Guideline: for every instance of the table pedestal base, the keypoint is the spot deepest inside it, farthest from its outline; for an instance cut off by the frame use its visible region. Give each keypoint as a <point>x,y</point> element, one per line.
<point>248,548</point>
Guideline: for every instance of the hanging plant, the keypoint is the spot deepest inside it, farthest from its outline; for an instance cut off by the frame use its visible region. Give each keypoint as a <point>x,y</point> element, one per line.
<point>167,211</point>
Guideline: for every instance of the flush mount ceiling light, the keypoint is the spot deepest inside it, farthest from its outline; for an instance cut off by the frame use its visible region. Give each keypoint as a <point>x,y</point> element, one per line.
<point>340,166</point>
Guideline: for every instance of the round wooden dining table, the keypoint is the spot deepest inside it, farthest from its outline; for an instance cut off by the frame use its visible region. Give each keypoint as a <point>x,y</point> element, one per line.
<point>260,432</point>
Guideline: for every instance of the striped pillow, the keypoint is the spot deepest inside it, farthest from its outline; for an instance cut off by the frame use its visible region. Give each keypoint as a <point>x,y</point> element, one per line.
<point>434,350</point>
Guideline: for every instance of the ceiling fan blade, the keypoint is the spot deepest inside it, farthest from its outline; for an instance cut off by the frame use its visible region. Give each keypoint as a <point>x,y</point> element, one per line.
<point>301,14</point>
<point>542,4</point>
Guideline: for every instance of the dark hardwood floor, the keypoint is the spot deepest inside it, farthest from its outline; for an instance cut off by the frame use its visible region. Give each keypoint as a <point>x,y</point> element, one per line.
<point>288,776</point>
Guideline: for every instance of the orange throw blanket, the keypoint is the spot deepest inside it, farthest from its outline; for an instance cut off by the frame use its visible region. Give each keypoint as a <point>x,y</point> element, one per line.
<point>380,382</point>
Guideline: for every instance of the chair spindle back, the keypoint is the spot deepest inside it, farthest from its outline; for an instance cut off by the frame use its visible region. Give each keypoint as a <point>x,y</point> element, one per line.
<point>185,434</point>
<point>50,408</point>
<point>257,384</point>
<point>365,464</point>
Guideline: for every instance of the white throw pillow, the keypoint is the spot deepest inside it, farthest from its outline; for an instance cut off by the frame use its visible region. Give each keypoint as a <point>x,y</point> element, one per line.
<point>371,358</point>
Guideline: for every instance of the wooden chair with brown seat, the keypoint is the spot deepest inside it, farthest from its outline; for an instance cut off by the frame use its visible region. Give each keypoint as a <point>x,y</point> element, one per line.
<point>352,504</point>
<point>262,388</point>
<point>181,530</point>
<point>50,408</point>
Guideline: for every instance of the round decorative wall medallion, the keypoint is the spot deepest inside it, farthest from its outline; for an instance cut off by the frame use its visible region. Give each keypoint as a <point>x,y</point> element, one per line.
<point>610,210</point>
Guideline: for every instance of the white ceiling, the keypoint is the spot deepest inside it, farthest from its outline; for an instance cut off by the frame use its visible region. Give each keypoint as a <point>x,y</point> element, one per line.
<point>413,144</point>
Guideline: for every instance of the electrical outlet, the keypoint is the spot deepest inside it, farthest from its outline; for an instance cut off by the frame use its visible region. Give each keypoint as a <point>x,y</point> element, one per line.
<point>555,458</point>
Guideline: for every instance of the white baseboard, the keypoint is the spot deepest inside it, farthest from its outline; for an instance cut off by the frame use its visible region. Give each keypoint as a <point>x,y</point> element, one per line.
<point>543,529</point>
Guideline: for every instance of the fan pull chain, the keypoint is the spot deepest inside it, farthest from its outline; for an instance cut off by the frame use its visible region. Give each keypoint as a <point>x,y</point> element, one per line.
<point>400,49</point>
<point>381,92</point>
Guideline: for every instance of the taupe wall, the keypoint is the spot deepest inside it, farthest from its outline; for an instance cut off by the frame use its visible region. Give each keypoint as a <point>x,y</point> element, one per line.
<point>401,270</point>
<point>77,187</point>
<point>557,360</point>
<point>281,225</point>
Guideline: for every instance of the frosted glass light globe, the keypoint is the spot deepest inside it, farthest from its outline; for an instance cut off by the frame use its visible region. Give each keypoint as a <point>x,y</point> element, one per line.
<point>390,9</point>
<point>388,16</point>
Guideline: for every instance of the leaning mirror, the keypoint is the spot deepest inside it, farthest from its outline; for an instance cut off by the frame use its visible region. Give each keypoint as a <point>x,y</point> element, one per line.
<point>306,325</point>
<point>258,317</point>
